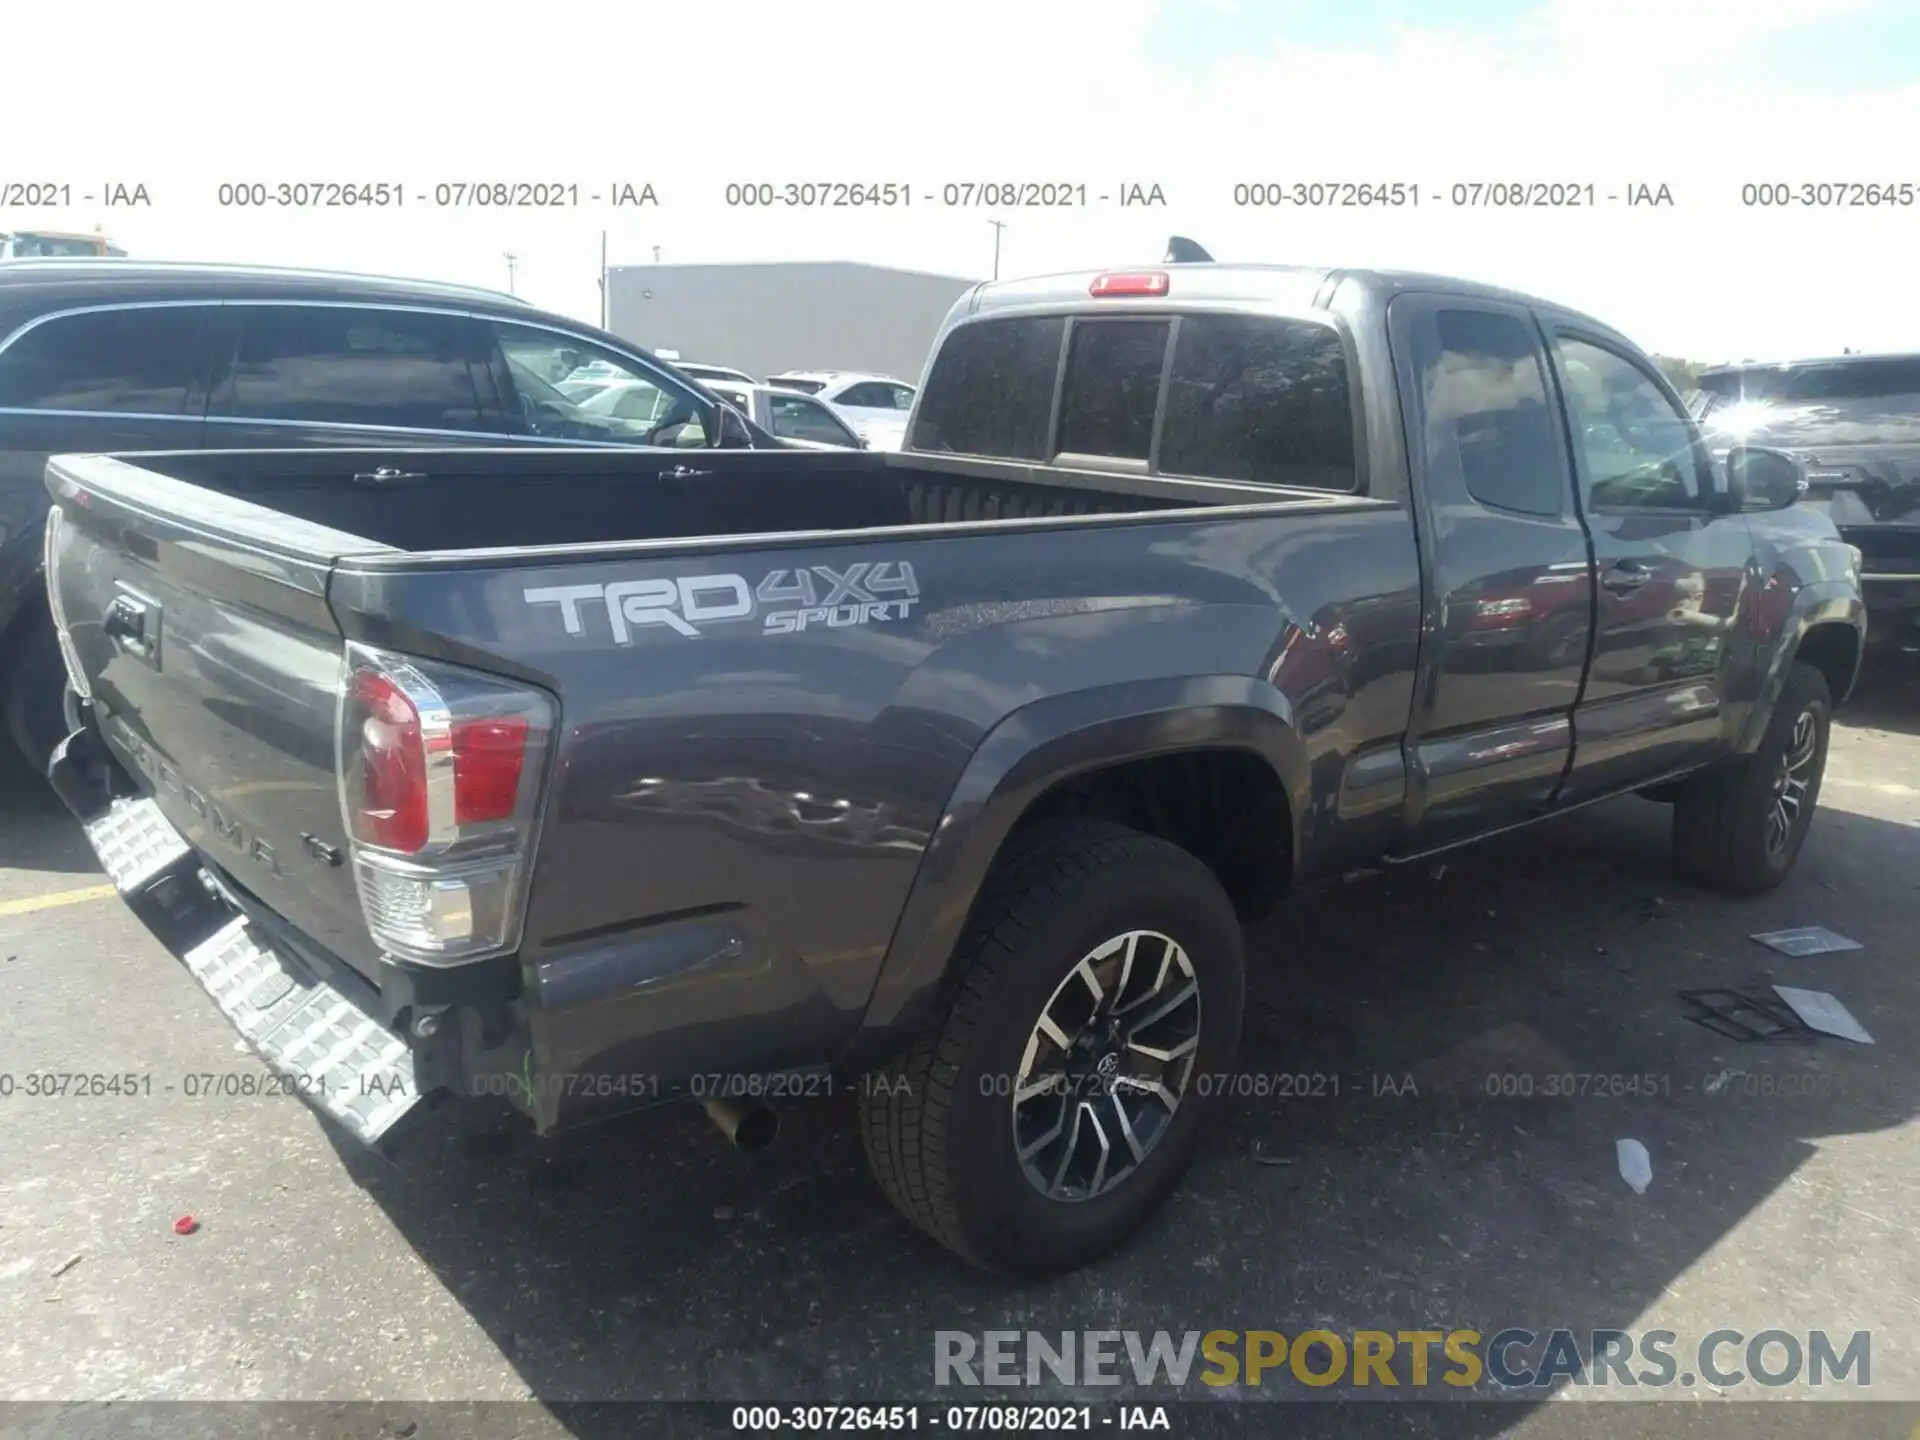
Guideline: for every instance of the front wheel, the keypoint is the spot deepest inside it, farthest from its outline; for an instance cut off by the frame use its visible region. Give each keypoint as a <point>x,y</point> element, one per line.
<point>1740,828</point>
<point>1056,1104</point>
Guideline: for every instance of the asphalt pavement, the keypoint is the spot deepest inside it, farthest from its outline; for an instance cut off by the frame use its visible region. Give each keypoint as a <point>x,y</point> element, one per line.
<point>1429,1176</point>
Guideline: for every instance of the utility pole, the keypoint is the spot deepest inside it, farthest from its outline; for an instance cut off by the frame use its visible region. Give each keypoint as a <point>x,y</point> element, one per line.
<point>512,260</point>
<point>603,280</point>
<point>998,226</point>
<point>656,254</point>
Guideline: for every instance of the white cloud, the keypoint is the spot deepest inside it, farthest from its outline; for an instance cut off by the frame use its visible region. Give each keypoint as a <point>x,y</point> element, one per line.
<point>1608,91</point>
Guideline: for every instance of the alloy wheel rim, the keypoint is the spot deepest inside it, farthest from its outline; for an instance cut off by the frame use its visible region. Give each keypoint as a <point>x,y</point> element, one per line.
<point>1106,1065</point>
<point>1792,784</point>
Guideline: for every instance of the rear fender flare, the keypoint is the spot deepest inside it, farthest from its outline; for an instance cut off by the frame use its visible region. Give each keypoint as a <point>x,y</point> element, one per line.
<point>1019,760</point>
<point>1816,604</point>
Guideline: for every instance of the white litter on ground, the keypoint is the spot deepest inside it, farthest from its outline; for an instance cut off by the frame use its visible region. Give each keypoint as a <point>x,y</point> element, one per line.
<point>1636,1166</point>
<point>1824,1013</point>
<point>1807,940</point>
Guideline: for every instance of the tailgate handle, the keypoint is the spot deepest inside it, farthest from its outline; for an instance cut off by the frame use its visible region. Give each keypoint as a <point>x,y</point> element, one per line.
<point>126,624</point>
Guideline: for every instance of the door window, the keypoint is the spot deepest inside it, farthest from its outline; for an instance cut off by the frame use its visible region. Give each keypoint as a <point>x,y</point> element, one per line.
<point>797,417</point>
<point>1487,415</point>
<point>877,395</point>
<point>633,405</point>
<point>1637,449</point>
<point>127,362</point>
<point>342,365</point>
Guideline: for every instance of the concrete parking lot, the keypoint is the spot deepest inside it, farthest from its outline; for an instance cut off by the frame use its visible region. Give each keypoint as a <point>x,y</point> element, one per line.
<point>644,1260</point>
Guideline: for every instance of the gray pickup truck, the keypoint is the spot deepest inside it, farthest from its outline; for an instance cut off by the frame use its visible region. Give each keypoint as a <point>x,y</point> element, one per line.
<point>592,778</point>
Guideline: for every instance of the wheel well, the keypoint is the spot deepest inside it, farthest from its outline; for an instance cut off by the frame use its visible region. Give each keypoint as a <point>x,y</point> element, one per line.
<point>1834,650</point>
<point>31,614</point>
<point>1225,806</point>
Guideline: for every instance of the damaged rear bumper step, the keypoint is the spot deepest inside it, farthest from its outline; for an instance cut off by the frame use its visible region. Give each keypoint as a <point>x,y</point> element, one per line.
<point>340,1059</point>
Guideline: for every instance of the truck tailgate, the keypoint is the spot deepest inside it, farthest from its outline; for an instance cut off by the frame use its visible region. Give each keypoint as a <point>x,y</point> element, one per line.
<point>214,664</point>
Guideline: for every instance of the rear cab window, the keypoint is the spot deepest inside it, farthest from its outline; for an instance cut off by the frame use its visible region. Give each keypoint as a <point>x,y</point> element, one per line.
<point>1205,396</point>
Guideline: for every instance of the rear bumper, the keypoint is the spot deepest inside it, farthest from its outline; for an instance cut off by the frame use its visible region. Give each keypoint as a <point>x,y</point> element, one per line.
<point>363,1073</point>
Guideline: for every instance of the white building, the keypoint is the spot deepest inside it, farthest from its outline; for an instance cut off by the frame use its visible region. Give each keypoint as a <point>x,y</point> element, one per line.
<point>803,315</point>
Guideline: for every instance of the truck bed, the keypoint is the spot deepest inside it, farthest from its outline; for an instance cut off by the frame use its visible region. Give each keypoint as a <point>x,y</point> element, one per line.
<point>442,501</point>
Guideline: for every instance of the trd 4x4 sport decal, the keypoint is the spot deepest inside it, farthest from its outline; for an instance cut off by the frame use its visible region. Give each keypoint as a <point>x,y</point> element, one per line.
<point>786,601</point>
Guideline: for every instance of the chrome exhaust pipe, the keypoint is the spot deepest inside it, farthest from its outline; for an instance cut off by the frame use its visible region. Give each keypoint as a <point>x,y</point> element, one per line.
<point>750,1127</point>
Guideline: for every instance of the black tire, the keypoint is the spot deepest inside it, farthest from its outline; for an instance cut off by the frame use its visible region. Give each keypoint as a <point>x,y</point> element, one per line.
<point>1724,832</point>
<point>36,682</point>
<point>938,1122</point>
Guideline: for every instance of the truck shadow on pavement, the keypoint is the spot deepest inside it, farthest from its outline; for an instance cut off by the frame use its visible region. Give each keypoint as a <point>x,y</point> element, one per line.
<point>1395,1162</point>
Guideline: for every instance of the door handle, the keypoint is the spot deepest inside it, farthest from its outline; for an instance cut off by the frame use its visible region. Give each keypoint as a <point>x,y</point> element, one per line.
<point>1626,577</point>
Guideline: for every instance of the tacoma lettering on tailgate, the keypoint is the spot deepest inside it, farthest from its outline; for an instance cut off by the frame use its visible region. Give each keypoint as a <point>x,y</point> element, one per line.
<point>785,601</point>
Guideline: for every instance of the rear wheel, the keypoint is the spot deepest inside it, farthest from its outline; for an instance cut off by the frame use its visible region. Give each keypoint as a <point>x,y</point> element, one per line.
<point>36,695</point>
<point>1056,1104</point>
<point>1740,828</point>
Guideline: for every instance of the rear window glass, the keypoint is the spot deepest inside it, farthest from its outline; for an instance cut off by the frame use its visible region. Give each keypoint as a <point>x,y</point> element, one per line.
<point>1851,402</point>
<point>1849,380</point>
<point>991,390</point>
<point>1112,386</point>
<point>1260,400</point>
<point>1249,397</point>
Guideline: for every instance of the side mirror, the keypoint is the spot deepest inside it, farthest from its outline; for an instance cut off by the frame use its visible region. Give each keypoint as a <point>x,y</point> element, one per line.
<point>1765,479</point>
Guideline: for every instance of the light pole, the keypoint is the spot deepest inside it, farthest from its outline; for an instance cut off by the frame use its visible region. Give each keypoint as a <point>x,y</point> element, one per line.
<point>512,260</point>
<point>998,226</point>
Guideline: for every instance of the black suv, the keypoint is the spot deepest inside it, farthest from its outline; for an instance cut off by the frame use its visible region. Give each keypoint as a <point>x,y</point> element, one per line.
<point>1854,422</point>
<point>107,355</point>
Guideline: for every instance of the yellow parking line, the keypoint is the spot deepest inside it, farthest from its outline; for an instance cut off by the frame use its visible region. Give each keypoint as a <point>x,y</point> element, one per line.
<point>58,897</point>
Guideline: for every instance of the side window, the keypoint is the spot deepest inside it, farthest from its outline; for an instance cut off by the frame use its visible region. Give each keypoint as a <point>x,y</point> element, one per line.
<point>902,397</point>
<point>633,406</point>
<point>1488,419</point>
<point>339,364</point>
<point>1638,449</point>
<point>127,362</point>
<point>868,395</point>
<point>1259,399</point>
<point>990,391</point>
<point>796,417</point>
<point>1112,386</point>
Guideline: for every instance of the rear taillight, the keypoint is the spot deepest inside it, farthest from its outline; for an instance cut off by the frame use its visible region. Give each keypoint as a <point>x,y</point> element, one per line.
<point>441,772</point>
<point>390,808</point>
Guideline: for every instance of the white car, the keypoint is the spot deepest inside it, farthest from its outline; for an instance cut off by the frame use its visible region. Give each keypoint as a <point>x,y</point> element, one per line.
<point>694,370</point>
<point>876,404</point>
<point>793,417</point>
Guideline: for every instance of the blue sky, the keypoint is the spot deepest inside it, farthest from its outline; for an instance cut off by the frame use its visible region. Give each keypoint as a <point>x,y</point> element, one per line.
<point>1873,46</point>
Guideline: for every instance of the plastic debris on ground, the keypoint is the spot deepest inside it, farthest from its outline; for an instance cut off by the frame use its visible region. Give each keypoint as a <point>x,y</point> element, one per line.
<point>185,1225</point>
<point>1820,1011</point>
<point>1807,940</point>
<point>1636,1166</point>
<point>66,1265</point>
<point>1740,1016</point>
